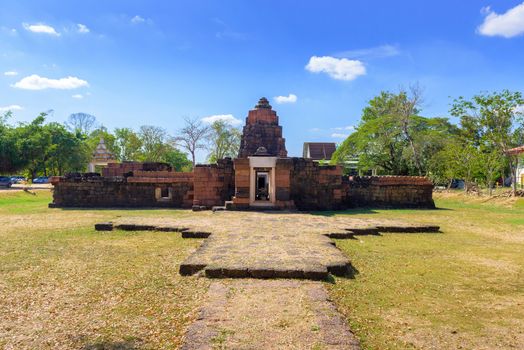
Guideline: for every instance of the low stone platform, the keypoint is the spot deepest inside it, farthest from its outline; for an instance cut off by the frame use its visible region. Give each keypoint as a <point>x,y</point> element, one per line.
<point>262,314</point>
<point>351,232</point>
<point>270,255</point>
<point>185,231</point>
<point>268,245</point>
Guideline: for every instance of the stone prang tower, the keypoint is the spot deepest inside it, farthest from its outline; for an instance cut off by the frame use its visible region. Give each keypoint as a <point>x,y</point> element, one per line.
<point>262,131</point>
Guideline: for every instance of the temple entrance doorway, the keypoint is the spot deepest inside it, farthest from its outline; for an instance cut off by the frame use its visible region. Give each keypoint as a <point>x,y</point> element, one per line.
<point>262,186</point>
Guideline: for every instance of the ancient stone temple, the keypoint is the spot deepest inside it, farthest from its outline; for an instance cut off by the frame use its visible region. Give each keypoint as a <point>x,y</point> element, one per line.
<point>261,177</point>
<point>262,129</point>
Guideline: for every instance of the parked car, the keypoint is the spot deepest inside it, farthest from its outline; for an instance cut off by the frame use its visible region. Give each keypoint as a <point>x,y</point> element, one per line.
<point>41,180</point>
<point>18,179</point>
<point>458,184</point>
<point>5,181</point>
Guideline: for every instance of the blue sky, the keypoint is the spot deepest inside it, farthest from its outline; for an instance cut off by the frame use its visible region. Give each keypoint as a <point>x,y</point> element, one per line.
<point>131,63</point>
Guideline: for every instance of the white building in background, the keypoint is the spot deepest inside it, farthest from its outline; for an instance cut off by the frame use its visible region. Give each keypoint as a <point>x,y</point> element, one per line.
<point>520,167</point>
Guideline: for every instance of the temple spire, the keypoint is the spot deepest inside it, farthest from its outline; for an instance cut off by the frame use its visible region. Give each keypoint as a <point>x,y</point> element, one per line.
<point>263,103</point>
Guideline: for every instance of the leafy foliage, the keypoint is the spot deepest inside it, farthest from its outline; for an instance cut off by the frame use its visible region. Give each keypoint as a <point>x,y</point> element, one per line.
<point>224,141</point>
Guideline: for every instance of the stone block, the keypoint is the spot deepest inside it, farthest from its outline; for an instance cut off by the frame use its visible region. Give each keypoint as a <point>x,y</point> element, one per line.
<point>104,226</point>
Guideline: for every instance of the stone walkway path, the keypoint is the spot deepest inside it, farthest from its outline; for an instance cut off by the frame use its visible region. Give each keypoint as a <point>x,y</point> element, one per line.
<point>268,314</point>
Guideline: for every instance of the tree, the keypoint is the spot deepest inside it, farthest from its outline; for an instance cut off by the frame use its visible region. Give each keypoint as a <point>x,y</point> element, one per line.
<point>178,160</point>
<point>66,153</point>
<point>491,162</point>
<point>128,143</point>
<point>407,106</point>
<point>154,145</point>
<point>34,141</point>
<point>393,138</point>
<point>11,160</point>
<point>224,141</point>
<point>493,120</point>
<point>81,123</point>
<point>192,137</point>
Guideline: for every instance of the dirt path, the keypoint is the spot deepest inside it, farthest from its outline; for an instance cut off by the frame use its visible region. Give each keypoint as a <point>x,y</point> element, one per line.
<point>268,314</point>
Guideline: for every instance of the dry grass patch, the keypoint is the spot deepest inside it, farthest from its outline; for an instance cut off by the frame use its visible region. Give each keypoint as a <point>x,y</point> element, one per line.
<point>66,286</point>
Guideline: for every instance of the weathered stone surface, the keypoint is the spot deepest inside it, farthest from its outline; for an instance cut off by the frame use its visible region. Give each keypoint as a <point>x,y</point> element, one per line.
<point>267,255</point>
<point>269,314</point>
<point>141,227</point>
<point>262,130</point>
<point>409,229</point>
<point>388,192</point>
<point>195,234</point>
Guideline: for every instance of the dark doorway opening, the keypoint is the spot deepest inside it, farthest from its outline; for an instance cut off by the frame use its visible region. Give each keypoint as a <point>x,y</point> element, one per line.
<point>262,186</point>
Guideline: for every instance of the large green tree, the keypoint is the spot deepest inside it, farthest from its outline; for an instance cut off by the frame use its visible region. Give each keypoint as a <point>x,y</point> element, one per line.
<point>493,121</point>
<point>10,158</point>
<point>393,138</point>
<point>34,141</point>
<point>224,141</point>
<point>67,152</point>
<point>129,144</point>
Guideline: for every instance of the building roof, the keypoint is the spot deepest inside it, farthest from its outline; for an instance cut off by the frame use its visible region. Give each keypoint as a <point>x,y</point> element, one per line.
<point>516,150</point>
<point>319,150</point>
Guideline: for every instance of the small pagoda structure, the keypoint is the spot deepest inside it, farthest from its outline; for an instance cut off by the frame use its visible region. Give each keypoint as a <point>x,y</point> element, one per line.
<point>101,156</point>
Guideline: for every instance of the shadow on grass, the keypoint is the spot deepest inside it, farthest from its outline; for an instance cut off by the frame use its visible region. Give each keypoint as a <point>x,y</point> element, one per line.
<point>351,273</point>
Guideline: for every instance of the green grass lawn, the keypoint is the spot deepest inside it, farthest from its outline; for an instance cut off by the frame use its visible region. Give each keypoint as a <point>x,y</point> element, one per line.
<point>463,288</point>
<point>64,285</point>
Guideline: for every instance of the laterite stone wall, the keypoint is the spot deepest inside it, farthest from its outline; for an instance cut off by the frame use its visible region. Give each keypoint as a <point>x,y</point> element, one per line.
<point>315,187</point>
<point>214,183</point>
<point>388,192</point>
<point>118,191</point>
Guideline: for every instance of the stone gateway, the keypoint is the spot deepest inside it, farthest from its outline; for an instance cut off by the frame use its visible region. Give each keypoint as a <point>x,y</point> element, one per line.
<point>262,177</point>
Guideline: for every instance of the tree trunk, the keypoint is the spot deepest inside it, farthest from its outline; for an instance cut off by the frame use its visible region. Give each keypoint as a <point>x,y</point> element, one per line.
<point>513,170</point>
<point>415,156</point>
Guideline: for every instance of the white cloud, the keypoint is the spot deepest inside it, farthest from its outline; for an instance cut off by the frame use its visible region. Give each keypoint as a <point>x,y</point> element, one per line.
<point>520,109</point>
<point>349,127</point>
<point>8,31</point>
<point>78,96</point>
<point>10,73</point>
<point>41,28</point>
<point>339,135</point>
<point>291,98</point>
<point>137,19</point>
<point>227,118</point>
<point>11,108</point>
<point>315,130</point>
<point>82,28</point>
<point>371,52</point>
<point>336,68</point>
<point>508,24</point>
<point>36,82</point>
